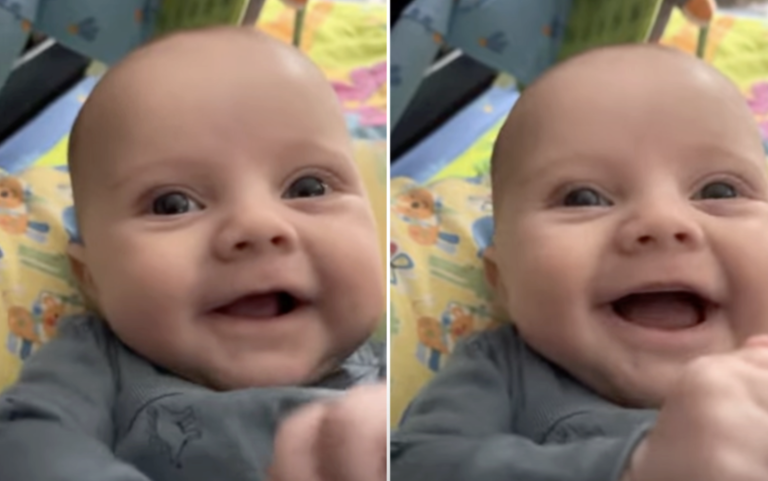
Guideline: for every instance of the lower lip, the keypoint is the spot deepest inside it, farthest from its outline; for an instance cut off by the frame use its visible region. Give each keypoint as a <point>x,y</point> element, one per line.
<point>281,319</point>
<point>666,339</point>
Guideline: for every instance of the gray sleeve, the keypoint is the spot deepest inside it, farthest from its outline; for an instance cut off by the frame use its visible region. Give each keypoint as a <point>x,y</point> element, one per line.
<point>459,429</point>
<point>56,421</point>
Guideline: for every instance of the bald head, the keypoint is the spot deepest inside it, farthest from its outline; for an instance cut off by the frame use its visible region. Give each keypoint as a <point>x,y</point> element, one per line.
<point>180,57</point>
<point>593,84</point>
<point>168,79</point>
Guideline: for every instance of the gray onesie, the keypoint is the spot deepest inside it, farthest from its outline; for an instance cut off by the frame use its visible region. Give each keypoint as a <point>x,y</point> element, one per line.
<point>500,412</point>
<point>86,408</point>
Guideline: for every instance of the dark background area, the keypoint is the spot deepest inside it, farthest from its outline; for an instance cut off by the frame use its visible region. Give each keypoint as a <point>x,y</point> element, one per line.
<point>43,72</point>
<point>455,82</point>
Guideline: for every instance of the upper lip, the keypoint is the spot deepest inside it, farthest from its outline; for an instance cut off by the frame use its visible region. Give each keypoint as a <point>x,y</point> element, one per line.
<point>704,293</point>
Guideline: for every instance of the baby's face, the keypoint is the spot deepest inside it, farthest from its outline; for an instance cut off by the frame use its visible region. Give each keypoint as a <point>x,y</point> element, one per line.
<point>631,233</point>
<point>227,233</point>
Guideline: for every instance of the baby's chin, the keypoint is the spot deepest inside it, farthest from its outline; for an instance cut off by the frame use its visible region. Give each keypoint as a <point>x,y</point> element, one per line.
<point>259,372</point>
<point>640,397</point>
<point>644,387</point>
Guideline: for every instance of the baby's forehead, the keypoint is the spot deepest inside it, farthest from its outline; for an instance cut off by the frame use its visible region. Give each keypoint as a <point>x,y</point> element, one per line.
<point>174,63</point>
<point>586,104</point>
<point>177,71</point>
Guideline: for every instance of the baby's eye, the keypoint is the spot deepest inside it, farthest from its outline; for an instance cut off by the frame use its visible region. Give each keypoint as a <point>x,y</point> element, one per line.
<point>174,203</point>
<point>717,190</point>
<point>307,186</point>
<point>585,197</point>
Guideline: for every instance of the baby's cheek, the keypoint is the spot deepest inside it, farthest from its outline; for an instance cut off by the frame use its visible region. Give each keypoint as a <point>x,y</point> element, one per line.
<point>351,278</point>
<point>135,274</point>
<point>740,266</point>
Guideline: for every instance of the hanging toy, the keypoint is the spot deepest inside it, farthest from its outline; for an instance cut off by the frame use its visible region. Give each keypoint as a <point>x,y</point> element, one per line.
<point>301,9</point>
<point>698,12</point>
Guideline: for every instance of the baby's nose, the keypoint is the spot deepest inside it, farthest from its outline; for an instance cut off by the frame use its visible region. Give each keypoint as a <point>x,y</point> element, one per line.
<point>660,229</point>
<point>254,231</point>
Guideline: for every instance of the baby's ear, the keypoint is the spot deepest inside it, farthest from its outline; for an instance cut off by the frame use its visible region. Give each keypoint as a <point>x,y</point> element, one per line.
<point>76,252</point>
<point>494,280</point>
<point>491,267</point>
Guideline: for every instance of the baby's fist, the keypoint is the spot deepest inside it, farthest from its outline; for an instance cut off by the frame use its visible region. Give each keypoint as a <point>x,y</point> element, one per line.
<point>340,440</point>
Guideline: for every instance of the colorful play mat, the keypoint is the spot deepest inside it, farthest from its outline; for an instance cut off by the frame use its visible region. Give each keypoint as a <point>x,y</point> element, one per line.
<point>346,39</point>
<point>737,45</point>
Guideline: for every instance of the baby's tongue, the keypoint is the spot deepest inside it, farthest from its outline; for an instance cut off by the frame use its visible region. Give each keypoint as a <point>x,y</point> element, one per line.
<point>256,307</point>
<point>661,310</point>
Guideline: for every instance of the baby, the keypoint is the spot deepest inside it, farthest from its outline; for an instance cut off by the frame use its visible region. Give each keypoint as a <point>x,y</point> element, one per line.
<point>631,213</point>
<point>231,250</point>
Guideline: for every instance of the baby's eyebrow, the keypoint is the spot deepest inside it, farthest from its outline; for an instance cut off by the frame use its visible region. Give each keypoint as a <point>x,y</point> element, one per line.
<point>549,165</point>
<point>314,151</point>
<point>721,152</point>
<point>139,171</point>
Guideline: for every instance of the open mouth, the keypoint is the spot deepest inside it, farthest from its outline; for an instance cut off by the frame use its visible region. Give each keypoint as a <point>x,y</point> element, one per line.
<point>269,305</point>
<point>672,310</point>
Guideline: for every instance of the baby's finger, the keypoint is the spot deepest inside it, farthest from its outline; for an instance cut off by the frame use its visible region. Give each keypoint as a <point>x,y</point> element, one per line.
<point>294,457</point>
<point>352,443</point>
<point>757,341</point>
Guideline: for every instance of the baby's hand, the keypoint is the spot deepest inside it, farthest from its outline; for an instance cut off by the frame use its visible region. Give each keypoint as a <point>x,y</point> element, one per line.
<point>714,425</point>
<point>341,440</point>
